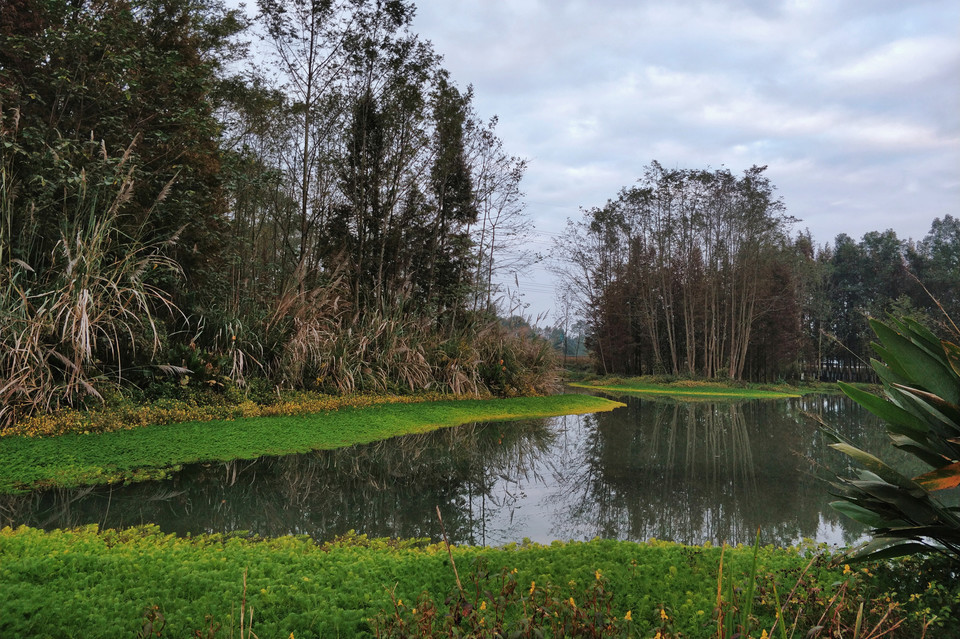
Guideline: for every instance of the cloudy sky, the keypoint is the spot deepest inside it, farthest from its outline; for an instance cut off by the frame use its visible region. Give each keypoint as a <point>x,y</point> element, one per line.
<point>854,105</point>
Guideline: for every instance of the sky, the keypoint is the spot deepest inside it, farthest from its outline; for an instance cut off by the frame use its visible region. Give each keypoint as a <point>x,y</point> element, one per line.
<point>853,105</point>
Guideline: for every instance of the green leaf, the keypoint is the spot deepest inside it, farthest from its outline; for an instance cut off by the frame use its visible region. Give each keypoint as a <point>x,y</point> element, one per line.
<point>886,374</point>
<point>917,363</point>
<point>921,452</point>
<point>887,411</point>
<point>921,334</point>
<point>874,464</point>
<point>889,363</point>
<point>861,514</point>
<point>945,415</point>
<point>952,352</point>
<point>918,510</point>
<point>886,549</point>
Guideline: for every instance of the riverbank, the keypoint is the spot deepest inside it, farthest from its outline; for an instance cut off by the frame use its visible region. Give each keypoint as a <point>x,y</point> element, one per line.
<point>691,390</point>
<point>110,583</point>
<point>152,452</point>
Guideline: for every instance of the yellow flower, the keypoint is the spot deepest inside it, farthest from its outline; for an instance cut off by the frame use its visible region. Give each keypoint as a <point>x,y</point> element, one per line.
<point>483,605</point>
<point>628,616</point>
<point>763,634</point>
<point>399,602</point>
<point>597,575</point>
<point>663,615</point>
<point>846,569</point>
<point>533,586</point>
<point>573,604</point>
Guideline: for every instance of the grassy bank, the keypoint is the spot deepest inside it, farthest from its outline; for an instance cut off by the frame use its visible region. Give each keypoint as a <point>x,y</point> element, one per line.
<point>100,584</point>
<point>151,452</point>
<point>699,389</point>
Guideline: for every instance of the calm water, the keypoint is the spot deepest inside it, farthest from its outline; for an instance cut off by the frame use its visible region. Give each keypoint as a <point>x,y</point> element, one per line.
<point>688,472</point>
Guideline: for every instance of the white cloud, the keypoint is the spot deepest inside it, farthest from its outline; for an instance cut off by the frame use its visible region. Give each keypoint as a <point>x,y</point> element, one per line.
<point>902,63</point>
<point>855,106</point>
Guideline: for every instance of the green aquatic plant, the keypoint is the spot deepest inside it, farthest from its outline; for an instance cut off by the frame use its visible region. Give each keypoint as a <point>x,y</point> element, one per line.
<point>107,578</point>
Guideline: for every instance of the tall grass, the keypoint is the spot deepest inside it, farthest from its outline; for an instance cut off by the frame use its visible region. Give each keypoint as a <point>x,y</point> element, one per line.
<point>79,312</point>
<point>71,325</point>
<point>323,342</point>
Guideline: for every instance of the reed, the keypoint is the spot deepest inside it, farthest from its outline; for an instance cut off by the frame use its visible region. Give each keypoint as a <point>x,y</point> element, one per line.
<point>68,328</point>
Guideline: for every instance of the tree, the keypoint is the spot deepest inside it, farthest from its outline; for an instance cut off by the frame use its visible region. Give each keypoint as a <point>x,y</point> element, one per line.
<point>80,83</point>
<point>674,275</point>
<point>502,227</point>
<point>112,201</point>
<point>451,187</point>
<point>935,261</point>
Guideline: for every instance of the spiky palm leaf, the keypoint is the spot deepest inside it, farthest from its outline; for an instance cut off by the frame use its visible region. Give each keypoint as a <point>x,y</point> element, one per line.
<point>921,408</point>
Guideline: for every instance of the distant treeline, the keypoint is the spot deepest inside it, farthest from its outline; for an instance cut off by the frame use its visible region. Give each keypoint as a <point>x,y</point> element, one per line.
<point>191,197</point>
<point>695,272</point>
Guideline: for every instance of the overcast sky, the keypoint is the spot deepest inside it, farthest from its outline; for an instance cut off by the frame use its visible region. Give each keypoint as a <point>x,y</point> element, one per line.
<point>854,105</point>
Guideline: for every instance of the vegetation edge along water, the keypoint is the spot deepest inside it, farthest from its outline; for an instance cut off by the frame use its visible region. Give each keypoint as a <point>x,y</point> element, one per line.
<point>152,452</point>
<point>692,389</point>
<point>109,583</point>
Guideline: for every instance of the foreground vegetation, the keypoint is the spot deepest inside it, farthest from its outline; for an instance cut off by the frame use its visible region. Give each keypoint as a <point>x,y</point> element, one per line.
<point>110,583</point>
<point>149,453</point>
<point>908,512</point>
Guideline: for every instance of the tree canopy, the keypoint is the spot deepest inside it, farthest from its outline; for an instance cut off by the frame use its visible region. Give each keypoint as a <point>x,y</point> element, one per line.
<point>697,272</point>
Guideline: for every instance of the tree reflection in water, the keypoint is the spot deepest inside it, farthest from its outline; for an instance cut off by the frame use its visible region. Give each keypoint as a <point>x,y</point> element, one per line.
<point>688,472</point>
<point>701,471</point>
<point>388,488</point>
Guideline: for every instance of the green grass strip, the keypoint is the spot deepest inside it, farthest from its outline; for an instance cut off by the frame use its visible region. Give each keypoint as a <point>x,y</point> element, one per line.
<point>151,452</point>
<point>691,391</point>
<point>94,584</point>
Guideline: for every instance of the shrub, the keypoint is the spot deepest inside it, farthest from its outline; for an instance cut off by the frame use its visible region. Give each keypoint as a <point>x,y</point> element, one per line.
<point>921,408</point>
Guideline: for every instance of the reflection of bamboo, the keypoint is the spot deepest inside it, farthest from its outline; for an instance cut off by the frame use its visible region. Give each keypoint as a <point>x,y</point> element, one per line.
<point>688,454</point>
<point>468,460</point>
<point>16,509</point>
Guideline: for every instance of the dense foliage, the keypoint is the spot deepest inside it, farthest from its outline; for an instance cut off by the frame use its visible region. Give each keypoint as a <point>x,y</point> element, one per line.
<point>695,272</point>
<point>331,219</point>
<point>111,583</point>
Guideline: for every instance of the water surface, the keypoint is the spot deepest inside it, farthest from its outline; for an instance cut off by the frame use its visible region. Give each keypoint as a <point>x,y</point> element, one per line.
<point>684,471</point>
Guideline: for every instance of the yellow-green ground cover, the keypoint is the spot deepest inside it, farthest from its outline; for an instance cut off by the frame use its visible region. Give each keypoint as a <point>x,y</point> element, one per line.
<point>692,390</point>
<point>89,583</point>
<point>151,452</point>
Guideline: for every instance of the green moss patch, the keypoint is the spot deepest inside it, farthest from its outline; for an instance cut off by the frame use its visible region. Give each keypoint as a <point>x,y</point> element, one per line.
<point>89,583</point>
<point>690,390</point>
<point>148,453</point>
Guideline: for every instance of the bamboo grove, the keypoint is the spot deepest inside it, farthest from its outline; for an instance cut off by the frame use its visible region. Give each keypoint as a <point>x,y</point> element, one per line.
<point>195,198</point>
<point>697,272</point>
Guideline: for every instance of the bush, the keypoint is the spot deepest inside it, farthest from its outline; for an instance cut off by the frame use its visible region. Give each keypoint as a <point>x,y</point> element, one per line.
<point>921,408</point>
